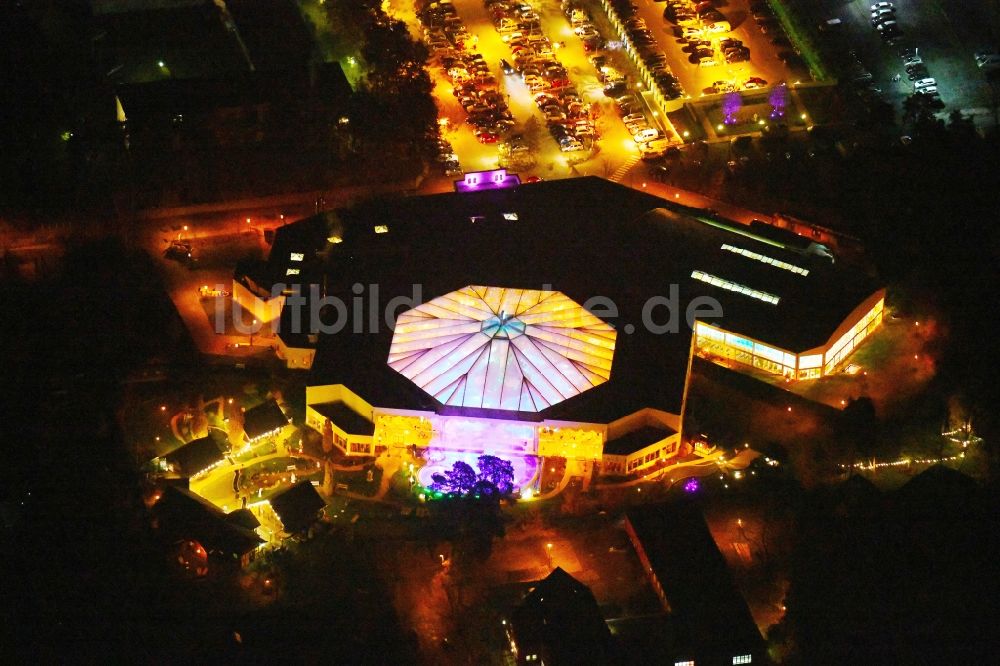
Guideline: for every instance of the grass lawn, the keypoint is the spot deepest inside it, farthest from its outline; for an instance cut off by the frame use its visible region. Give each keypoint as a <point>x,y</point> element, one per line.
<point>357,482</point>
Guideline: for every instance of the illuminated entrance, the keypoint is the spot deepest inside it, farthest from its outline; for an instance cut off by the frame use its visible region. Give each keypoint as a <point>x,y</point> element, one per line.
<point>462,438</point>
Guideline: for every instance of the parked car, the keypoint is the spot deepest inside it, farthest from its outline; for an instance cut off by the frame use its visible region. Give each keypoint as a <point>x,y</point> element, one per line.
<point>882,15</point>
<point>644,135</point>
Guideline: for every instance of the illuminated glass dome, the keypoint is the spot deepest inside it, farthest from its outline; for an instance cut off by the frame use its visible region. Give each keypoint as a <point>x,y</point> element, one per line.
<point>494,348</point>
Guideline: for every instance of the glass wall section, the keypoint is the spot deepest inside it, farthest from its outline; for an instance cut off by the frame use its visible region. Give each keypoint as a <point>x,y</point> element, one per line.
<point>847,342</point>
<point>711,342</point>
<point>810,366</point>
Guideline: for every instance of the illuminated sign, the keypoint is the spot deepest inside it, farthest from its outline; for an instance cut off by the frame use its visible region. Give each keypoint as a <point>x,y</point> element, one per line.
<point>494,348</point>
<point>487,180</point>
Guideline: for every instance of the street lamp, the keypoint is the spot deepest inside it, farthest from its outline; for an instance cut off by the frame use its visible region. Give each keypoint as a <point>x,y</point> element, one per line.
<point>253,327</point>
<point>548,554</point>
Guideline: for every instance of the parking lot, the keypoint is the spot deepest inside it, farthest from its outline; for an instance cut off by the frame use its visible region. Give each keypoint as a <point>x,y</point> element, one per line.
<point>695,46</point>
<point>555,89</point>
<point>944,33</point>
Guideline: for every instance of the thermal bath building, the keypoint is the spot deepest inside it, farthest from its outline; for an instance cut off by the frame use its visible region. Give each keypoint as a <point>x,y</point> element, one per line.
<point>548,319</point>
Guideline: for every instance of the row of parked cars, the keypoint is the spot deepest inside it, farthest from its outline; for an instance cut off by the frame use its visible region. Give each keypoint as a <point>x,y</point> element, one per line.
<point>701,15</point>
<point>646,49</point>
<point>634,116</point>
<point>533,54</point>
<point>916,71</point>
<point>567,116</point>
<point>883,18</point>
<point>473,84</point>
<point>695,24</point>
<point>583,25</point>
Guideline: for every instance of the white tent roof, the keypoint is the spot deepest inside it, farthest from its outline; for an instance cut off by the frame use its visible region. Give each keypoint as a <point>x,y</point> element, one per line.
<point>495,348</point>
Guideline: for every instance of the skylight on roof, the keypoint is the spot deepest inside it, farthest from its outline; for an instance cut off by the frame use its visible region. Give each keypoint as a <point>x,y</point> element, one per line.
<point>766,259</point>
<point>292,271</point>
<point>733,286</point>
<point>510,216</point>
<point>297,256</point>
<point>381,228</point>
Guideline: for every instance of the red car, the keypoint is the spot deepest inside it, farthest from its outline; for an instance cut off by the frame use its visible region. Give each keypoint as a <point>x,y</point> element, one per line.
<point>486,137</point>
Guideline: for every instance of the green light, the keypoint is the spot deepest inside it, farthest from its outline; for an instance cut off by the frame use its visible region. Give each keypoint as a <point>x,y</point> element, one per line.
<point>66,136</point>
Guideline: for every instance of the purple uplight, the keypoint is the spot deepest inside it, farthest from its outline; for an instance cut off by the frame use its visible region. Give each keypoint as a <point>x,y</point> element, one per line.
<point>691,485</point>
<point>731,105</point>
<point>778,100</point>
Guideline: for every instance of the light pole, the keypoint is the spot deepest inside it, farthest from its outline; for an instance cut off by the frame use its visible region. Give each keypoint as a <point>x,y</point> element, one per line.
<point>548,554</point>
<point>253,327</point>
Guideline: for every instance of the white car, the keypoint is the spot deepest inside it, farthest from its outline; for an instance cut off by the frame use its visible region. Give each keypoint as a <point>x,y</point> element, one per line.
<point>924,83</point>
<point>880,6</point>
<point>634,118</point>
<point>644,135</point>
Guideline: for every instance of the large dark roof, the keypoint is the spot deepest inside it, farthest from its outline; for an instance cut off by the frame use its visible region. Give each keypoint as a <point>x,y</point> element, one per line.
<point>172,97</point>
<point>585,237</point>
<point>297,506</point>
<point>345,418</point>
<point>561,615</point>
<point>810,307</point>
<point>181,514</point>
<point>273,32</point>
<point>189,38</point>
<point>263,418</point>
<point>196,455</point>
<point>938,491</point>
<point>638,439</point>
<point>709,611</point>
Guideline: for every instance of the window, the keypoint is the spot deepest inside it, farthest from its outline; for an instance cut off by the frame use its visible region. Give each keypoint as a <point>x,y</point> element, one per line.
<point>335,239</point>
<point>738,288</point>
<point>381,228</point>
<point>743,659</point>
<point>475,219</point>
<point>510,216</point>
<point>765,259</point>
<point>684,663</point>
<point>292,271</point>
<point>298,256</point>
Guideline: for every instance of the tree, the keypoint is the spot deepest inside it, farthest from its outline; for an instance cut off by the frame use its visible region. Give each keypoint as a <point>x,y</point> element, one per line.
<point>459,479</point>
<point>860,425</point>
<point>494,480</point>
<point>498,472</point>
